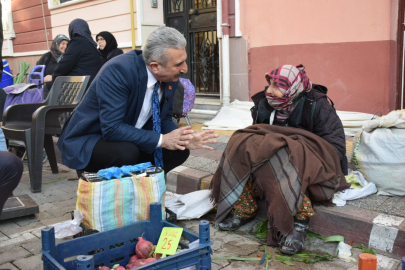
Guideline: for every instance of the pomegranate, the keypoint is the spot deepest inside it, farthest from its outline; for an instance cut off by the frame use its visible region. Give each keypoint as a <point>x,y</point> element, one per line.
<point>144,249</point>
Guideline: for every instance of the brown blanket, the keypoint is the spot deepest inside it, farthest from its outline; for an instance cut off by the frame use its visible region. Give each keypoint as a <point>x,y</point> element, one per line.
<point>284,163</point>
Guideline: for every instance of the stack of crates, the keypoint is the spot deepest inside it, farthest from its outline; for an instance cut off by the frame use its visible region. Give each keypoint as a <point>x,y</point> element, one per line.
<point>118,245</point>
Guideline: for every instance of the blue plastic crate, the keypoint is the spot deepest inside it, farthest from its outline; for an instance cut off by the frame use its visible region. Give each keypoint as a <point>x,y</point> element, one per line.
<point>118,245</point>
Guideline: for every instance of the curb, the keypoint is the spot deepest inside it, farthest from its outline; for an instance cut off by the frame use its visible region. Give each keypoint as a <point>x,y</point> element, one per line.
<point>385,233</point>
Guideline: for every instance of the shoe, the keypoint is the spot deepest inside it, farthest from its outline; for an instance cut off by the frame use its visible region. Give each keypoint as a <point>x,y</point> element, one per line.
<point>296,244</point>
<point>233,222</point>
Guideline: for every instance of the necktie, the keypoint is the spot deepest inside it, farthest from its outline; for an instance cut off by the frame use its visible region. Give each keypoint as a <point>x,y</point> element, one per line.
<point>156,125</point>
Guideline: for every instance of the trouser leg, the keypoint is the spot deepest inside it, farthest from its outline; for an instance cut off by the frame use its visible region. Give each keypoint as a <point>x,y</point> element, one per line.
<point>11,169</point>
<point>108,154</point>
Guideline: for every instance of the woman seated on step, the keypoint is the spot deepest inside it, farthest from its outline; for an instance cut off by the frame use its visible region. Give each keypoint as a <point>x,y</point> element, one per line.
<point>294,156</point>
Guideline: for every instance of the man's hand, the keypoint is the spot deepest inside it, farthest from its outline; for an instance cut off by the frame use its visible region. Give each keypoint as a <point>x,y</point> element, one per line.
<point>177,139</point>
<point>200,139</point>
<point>48,78</point>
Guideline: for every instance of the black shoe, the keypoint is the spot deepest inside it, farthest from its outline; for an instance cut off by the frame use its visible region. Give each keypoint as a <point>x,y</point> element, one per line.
<point>233,222</point>
<point>296,244</point>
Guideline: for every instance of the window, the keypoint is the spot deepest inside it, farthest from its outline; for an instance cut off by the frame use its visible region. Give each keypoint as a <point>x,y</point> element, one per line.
<point>52,4</point>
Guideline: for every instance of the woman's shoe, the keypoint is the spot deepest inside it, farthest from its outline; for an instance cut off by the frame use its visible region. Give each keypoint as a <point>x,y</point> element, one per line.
<point>296,244</point>
<point>233,222</point>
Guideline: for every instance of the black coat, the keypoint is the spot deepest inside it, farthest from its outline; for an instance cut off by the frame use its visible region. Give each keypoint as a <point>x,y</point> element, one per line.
<point>110,55</point>
<point>50,64</point>
<point>81,58</point>
<point>314,113</point>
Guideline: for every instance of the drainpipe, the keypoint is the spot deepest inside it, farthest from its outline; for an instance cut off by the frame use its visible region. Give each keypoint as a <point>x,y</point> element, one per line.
<point>133,23</point>
<point>226,83</point>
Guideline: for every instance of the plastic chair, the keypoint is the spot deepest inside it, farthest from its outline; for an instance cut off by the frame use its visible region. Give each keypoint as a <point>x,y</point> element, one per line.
<point>35,123</point>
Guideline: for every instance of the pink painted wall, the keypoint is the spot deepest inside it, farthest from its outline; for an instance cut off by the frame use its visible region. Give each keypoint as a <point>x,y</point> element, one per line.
<point>101,15</point>
<point>275,22</point>
<point>350,46</point>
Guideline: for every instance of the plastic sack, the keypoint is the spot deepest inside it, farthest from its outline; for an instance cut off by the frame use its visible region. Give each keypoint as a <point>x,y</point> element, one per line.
<point>340,198</point>
<point>70,227</point>
<point>378,153</point>
<point>191,205</point>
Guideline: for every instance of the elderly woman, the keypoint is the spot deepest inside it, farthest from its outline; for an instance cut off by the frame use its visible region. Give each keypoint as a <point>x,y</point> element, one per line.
<point>51,59</point>
<point>82,57</point>
<point>107,45</point>
<point>292,157</point>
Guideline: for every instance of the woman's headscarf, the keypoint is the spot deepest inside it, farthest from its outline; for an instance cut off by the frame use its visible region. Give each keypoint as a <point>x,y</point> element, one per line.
<point>79,27</point>
<point>55,46</point>
<point>111,43</point>
<point>292,81</point>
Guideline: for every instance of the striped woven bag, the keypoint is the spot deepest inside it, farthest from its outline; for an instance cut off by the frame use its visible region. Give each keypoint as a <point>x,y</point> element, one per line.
<point>117,202</point>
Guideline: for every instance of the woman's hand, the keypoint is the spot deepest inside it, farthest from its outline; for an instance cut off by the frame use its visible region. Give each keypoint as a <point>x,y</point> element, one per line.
<point>200,139</point>
<point>48,78</point>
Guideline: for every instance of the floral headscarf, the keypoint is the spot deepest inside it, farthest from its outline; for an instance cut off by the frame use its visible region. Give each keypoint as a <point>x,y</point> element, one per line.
<point>292,81</point>
<point>55,46</point>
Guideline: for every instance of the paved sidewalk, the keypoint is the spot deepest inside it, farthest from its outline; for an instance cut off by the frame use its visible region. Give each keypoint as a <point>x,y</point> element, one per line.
<point>361,221</point>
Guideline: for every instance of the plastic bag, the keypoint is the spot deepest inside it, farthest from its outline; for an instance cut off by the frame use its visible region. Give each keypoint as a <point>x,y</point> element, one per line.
<point>70,227</point>
<point>368,188</point>
<point>378,153</point>
<point>191,205</point>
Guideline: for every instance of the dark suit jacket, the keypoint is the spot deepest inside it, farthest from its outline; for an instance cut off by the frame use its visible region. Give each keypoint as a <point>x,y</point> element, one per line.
<point>110,109</point>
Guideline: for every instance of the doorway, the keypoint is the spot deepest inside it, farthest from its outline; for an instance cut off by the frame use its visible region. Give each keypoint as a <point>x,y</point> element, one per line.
<point>197,21</point>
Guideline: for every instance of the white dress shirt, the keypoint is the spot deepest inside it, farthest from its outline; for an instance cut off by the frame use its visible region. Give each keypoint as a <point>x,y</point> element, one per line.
<point>146,111</point>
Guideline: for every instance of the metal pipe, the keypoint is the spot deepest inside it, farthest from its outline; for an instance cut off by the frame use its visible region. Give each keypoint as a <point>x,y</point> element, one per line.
<point>226,94</point>
<point>46,31</point>
<point>133,23</point>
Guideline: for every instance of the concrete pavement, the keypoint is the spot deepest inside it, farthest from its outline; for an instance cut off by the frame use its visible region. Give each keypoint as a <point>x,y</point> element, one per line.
<point>374,221</point>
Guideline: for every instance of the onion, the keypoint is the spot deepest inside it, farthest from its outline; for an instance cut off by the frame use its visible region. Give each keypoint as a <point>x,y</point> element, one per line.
<point>144,249</point>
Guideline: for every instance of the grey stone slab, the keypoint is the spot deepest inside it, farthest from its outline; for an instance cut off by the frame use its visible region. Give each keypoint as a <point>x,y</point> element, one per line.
<point>33,247</point>
<point>30,263</point>
<point>197,162</point>
<point>17,231</point>
<point>372,202</point>
<point>8,266</point>
<point>223,139</point>
<point>18,206</point>
<point>393,205</point>
<point>13,254</point>
<point>53,221</point>
<point>218,146</point>
<point>24,221</point>
<point>211,167</point>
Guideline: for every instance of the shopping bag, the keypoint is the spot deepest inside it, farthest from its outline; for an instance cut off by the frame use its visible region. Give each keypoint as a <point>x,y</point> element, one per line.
<point>115,203</point>
<point>378,153</point>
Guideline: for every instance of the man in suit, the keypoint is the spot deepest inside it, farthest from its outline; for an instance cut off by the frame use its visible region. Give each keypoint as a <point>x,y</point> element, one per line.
<point>114,123</point>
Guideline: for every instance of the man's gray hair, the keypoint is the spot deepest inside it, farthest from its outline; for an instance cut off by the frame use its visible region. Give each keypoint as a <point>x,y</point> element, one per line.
<point>159,41</point>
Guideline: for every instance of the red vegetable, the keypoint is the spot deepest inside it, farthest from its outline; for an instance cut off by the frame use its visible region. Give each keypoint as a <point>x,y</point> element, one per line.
<point>133,259</point>
<point>138,263</point>
<point>104,268</point>
<point>148,260</point>
<point>120,268</point>
<point>144,249</point>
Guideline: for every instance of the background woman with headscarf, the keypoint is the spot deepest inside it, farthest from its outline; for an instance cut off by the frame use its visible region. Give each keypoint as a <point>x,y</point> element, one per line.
<point>296,156</point>
<point>82,57</point>
<point>108,46</point>
<point>51,59</point>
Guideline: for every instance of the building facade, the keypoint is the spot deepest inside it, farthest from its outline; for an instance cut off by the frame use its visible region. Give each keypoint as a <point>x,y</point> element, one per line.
<point>354,47</point>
